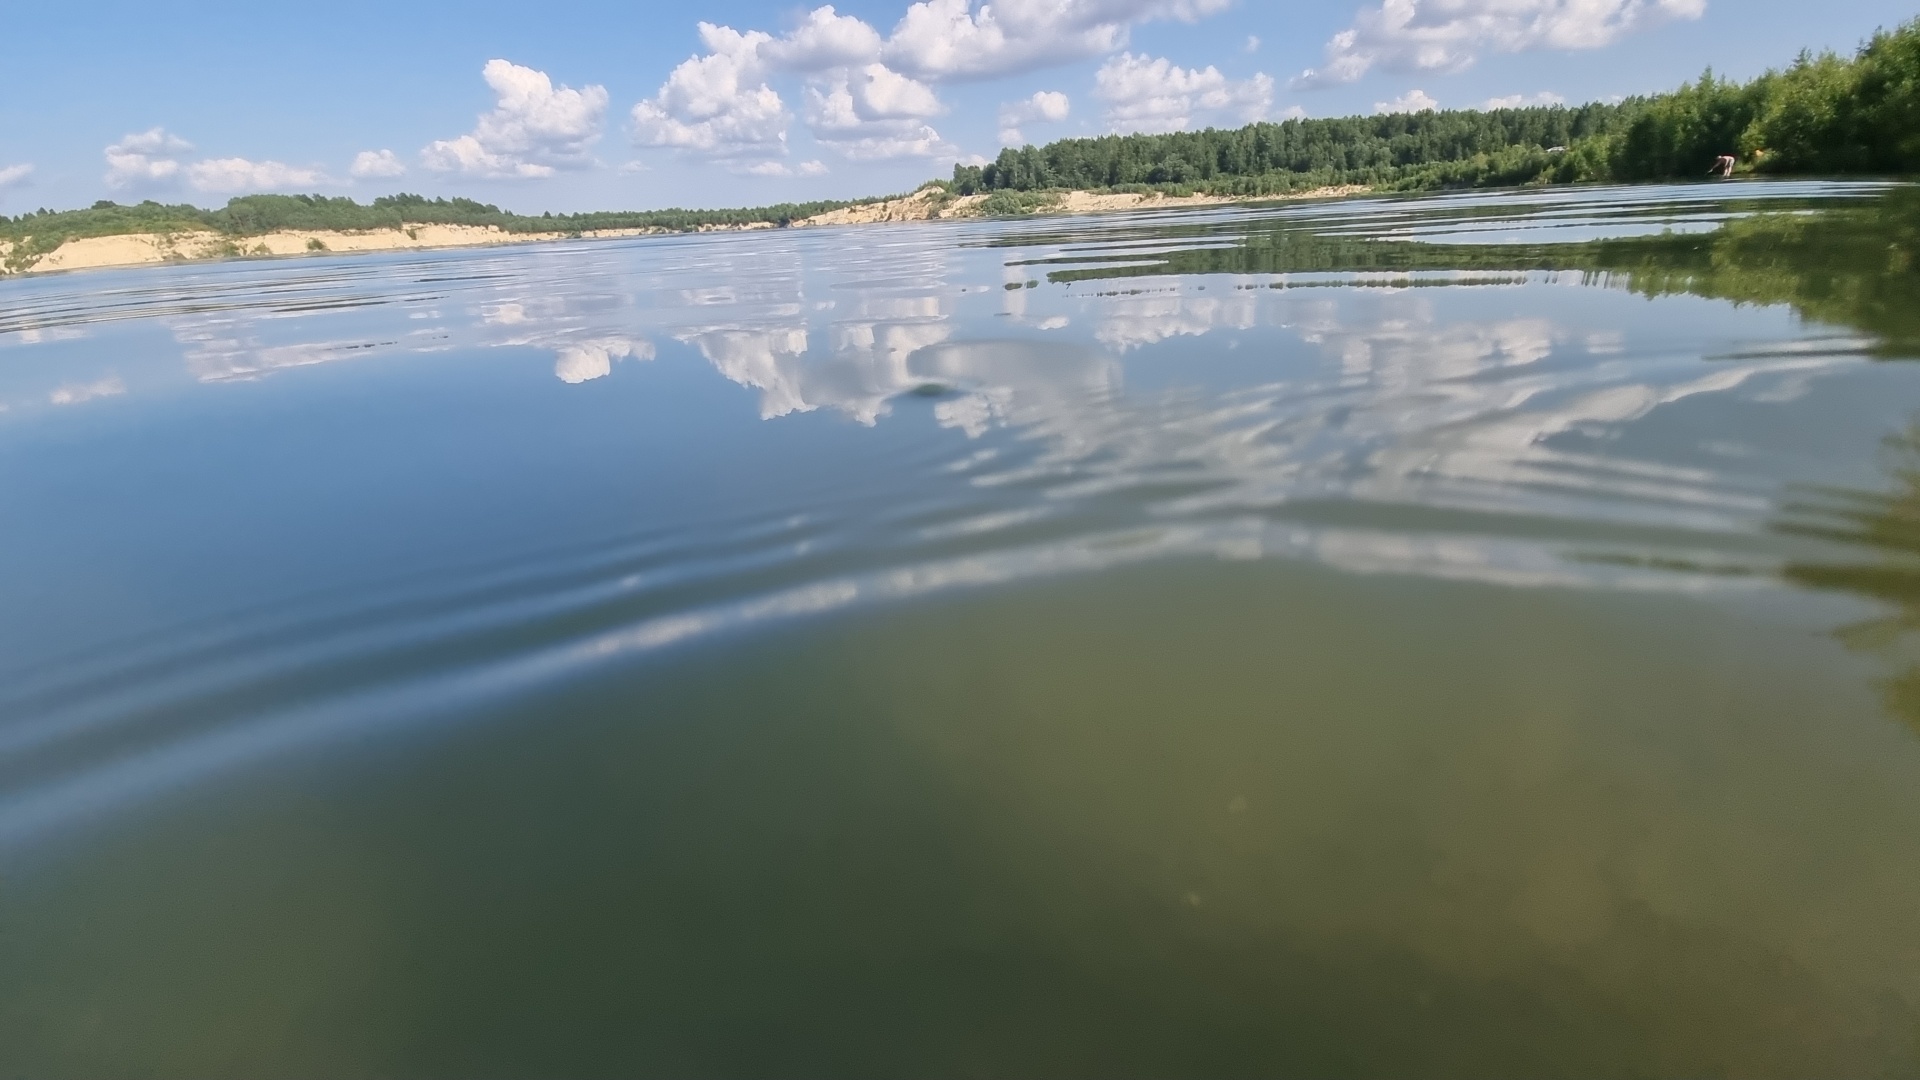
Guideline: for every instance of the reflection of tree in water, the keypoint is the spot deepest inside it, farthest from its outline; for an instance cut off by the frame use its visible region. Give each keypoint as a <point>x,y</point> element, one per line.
<point>1851,266</point>
<point>1889,523</point>
<point>1856,264</point>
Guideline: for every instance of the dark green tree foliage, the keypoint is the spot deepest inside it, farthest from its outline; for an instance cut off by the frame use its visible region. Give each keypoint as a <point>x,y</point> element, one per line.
<point>1680,134</point>
<point>1826,114</point>
<point>252,215</point>
<point>1353,149</point>
<point>967,180</point>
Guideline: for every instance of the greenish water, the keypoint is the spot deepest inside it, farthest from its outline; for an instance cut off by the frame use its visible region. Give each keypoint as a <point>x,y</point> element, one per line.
<point>1460,636</point>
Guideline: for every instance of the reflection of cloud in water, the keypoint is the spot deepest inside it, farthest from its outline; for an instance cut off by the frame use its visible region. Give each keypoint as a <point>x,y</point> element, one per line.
<point>1465,413</point>
<point>765,360</point>
<point>1406,407</point>
<point>864,368</point>
<point>1130,322</point>
<point>1508,450</point>
<point>1014,304</point>
<point>1016,382</point>
<point>227,347</point>
<point>75,393</point>
<point>900,308</point>
<point>975,413</point>
<point>42,335</point>
<point>1403,409</point>
<point>222,359</point>
<point>581,361</point>
<point>1411,347</point>
<point>1458,396</point>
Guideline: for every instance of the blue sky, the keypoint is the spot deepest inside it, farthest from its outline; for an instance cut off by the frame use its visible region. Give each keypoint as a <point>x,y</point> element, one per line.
<point>575,104</point>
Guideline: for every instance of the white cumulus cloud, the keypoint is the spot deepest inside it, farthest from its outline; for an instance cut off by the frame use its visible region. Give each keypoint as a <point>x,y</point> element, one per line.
<point>825,39</point>
<point>1449,35</point>
<point>147,159</point>
<point>719,104</point>
<point>157,158</point>
<point>874,113</point>
<point>955,39</point>
<point>1412,101</point>
<point>533,130</point>
<point>1525,101</point>
<point>1045,106</point>
<point>13,174</point>
<point>234,176</point>
<point>1148,94</point>
<point>880,93</point>
<point>375,165</point>
<point>869,95</point>
<point>781,168</point>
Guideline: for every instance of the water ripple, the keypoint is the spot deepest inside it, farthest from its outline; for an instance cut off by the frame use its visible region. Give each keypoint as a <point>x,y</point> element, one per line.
<point>1466,388</point>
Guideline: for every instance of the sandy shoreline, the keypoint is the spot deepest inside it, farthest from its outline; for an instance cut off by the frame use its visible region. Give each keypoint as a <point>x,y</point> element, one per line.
<point>143,248</point>
<point>927,204</point>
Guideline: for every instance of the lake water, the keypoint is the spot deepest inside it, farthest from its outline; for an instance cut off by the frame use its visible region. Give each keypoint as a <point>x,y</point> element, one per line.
<point>1448,636</point>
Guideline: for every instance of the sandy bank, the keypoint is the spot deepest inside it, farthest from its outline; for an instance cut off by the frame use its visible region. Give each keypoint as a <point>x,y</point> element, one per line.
<point>135,250</point>
<point>927,204</point>
<point>1089,202</point>
<point>931,204</point>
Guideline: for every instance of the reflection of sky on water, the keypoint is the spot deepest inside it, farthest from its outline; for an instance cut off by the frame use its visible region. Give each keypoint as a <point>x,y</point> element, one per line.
<point>1521,427</point>
<point>1515,395</point>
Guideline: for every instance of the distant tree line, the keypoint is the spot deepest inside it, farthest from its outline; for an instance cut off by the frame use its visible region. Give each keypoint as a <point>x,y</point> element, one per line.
<point>35,234</point>
<point>1823,114</point>
<point>1359,149</point>
<point>253,215</point>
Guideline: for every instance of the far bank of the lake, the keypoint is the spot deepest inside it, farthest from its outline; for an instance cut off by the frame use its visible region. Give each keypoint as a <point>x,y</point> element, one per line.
<point>927,204</point>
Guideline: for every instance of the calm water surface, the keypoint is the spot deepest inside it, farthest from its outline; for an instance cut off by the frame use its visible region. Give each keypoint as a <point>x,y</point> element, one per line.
<point>1462,636</point>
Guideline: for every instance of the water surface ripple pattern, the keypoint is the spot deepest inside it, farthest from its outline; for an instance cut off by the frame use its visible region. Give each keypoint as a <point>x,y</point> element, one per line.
<point>1484,388</point>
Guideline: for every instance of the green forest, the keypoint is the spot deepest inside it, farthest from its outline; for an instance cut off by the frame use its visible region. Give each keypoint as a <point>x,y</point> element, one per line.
<point>1824,114</point>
